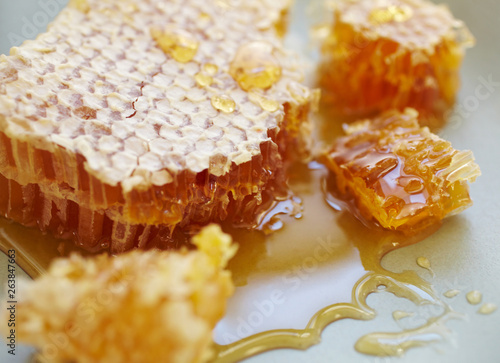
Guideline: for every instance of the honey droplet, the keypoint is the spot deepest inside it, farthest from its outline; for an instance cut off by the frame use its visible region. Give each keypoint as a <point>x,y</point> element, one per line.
<point>269,105</point>
<point>179,44</point>
<point>255,66</point>
<point>265,103</point>
<point>210,68</point>
<point>398,14</point>
<point>223,103</point>
<point>487,308</point>
<point>424,263</point>
<point>203,79</point>
<point>398,315</point>
<point>474,297</point>
<point>451,293</point>
<point>81,5</point>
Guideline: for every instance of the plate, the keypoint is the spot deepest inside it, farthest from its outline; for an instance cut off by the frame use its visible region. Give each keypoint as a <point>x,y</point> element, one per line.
<point>464,253</point>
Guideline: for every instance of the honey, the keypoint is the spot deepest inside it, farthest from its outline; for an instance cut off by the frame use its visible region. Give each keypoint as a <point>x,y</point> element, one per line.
<point>210,68</point>
<point>266,104</point>
<point>255,66</point>
<point>223,103</point>
<point>451,293</point>
<point>203,80</point>
<point>181,45</point>
<point>474,297</point>
<point>400,175</point>
<point>382,55</point>
<point>487,308</point>
<point>425,263</point>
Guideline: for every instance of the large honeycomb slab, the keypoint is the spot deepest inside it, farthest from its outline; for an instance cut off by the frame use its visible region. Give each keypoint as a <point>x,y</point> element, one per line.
<point>393,54</point>
<point>400,174</point>
<point>129,109</point>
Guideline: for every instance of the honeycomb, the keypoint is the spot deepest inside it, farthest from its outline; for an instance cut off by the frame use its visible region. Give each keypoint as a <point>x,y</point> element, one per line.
<point>141,306</point>
<point>124,116</point>
<point>383,55</point>
<point>400,174</point>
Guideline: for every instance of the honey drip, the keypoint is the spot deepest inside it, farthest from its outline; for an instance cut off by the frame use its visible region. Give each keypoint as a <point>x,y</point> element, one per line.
<point>451,293</point>
<point>255,66</point>
<point>425,263</point>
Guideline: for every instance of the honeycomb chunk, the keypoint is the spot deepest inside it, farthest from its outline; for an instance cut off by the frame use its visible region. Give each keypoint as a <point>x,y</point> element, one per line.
<point>123,120</point>
<point>141,306</point>
<point>383,55</point>
<point>400,174</point>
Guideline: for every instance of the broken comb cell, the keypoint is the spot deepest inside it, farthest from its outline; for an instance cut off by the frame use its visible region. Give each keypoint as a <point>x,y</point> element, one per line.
<point>384,55</point>
<point>126,120</point>
<point>400,174</point>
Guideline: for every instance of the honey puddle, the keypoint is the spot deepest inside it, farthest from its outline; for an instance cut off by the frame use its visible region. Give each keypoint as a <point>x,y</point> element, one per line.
<point>323,265</point>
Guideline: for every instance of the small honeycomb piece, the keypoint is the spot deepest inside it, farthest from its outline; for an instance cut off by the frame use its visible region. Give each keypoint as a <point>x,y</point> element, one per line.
<point>399,173</point>
<point>141,306</point>
<point>122,122</point>
<point>393,54</point>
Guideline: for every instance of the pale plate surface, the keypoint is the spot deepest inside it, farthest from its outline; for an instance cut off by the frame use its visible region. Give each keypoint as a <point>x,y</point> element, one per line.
<point>465,252</point>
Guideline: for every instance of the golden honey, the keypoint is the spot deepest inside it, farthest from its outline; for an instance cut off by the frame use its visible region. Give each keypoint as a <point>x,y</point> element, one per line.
<point>203,79</point>
<point>181,45</point>
<point>210,69</point>
<point>255,66</point>
<point>474,297</point>
<point>223,103</point>
<point>487,308</point>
